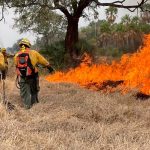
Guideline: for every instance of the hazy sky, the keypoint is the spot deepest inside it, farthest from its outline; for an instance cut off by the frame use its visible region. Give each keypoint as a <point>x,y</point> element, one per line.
<point>8,35</point>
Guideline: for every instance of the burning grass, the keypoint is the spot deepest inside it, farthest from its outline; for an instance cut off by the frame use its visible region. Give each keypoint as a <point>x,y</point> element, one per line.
<point>133,70</point>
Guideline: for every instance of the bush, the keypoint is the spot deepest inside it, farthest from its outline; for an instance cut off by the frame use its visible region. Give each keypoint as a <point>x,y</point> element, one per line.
<point>55,54</point>
<point>84,46</point>
<point>114,52</point>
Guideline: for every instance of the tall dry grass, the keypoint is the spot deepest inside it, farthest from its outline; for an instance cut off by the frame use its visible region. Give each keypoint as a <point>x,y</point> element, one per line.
<point>71,118</point>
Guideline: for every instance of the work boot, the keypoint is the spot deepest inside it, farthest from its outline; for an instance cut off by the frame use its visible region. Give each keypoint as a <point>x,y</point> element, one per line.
<point>27,106</point>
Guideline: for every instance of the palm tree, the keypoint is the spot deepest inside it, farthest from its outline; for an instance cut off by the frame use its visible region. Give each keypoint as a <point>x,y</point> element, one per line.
<point>126,20</point>
<point>145,14</point>
<point>111,14</point>
<point>135,20</point>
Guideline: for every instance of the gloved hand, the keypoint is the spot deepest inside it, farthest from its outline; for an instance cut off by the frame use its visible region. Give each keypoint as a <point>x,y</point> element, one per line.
<point>50,69</point>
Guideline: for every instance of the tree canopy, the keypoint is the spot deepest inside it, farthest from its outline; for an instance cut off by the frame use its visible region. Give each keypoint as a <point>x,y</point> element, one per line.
<point>73,10</point>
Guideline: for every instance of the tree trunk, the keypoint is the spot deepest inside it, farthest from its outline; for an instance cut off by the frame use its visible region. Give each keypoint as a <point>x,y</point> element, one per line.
<point>71,38</point>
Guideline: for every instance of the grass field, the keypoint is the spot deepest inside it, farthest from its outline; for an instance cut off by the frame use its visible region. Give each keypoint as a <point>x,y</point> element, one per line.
<point>69,117</point>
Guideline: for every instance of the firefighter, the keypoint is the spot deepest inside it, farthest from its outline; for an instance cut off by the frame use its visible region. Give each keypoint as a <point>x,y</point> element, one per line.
<point>2,66</point>
<point>27,73</point>
<point>6,56</point>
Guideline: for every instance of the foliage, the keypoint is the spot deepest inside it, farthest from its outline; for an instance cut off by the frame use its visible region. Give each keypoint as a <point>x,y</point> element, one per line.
<point>111,14</point>
<point>30,14</point>
<point>114,52</point>
<point>145,28</point>
<point>105,27</point>
<point>46,23</point>
<point>14,48</point>
<point>85,46</point>
<point>117,38</point>
<point>52,18</point>
<point>55,53</point>
<point>145,15</point>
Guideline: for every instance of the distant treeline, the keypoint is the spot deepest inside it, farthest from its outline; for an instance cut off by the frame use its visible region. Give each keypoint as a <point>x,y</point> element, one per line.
<point>99,38</point>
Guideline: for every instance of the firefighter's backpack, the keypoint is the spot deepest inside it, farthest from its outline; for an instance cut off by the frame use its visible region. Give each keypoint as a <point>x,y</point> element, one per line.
<point>23,65</point>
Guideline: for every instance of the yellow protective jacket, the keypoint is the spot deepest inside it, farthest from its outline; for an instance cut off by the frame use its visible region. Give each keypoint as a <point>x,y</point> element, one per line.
<point>6,56</point>
<point>35,58</point>
<point>2,62</point>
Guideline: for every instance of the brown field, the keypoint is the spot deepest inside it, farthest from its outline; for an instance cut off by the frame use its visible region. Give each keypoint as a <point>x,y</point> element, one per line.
<point>69,117</point>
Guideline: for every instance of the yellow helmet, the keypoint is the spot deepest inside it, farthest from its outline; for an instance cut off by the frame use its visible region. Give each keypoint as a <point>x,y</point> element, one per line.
<point>3,49</point>
<point>25,41</point>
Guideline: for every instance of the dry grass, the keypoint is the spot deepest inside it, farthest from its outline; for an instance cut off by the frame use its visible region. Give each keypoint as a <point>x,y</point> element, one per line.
<point>71,118</point>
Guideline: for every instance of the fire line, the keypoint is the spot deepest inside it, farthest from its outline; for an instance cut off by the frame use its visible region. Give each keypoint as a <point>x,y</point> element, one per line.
<point>131,72</point>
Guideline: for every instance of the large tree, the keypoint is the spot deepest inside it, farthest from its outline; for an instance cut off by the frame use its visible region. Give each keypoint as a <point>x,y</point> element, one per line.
<point>73,10</point>
<point>44,22</point>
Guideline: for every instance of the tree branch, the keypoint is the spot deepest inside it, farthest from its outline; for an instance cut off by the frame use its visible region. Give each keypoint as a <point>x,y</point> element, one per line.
<point>2,16</point>
<point>81,6</point>
<point>74,5</point>
<point>41,4</point>
<point>119,4</point>
<point>61,8</point>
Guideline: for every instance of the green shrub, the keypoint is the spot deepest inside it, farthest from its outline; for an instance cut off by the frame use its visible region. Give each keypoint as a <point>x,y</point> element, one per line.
<point>114,52</point>
<point>84,46</point>
<point>55,54</point>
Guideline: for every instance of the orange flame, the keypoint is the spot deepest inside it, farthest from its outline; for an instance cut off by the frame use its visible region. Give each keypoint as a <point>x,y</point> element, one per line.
<point>133,70</point>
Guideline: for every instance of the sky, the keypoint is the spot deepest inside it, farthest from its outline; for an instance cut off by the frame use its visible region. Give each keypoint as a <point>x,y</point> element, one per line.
<point>9,35</point>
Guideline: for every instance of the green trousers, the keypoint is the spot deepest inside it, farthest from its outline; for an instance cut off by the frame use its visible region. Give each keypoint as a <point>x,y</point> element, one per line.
<point>29,88</point>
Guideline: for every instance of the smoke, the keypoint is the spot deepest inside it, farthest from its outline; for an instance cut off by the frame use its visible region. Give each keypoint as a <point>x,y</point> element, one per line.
<point>1,43</point>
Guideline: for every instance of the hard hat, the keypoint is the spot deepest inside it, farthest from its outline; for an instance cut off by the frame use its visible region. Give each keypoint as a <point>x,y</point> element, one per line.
<point>25,41</point>
<point>3,49</point>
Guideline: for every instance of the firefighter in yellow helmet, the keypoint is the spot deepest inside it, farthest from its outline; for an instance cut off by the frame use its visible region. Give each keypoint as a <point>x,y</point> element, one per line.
<point>26,61</point>
<point>6,56</point>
